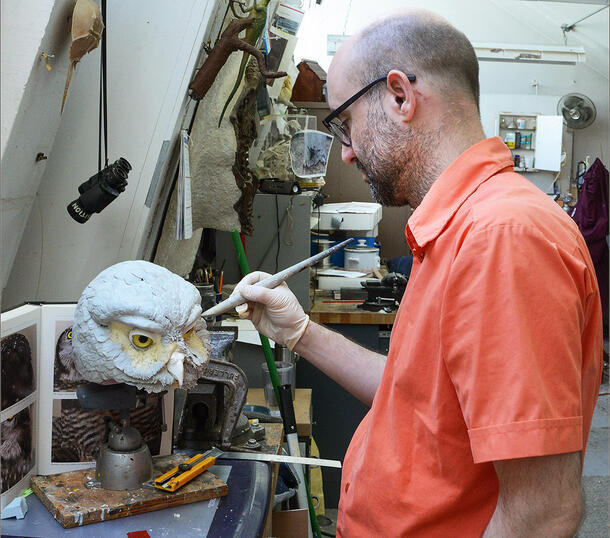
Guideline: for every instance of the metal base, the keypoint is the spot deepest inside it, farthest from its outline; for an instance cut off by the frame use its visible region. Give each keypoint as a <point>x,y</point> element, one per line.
<point>123,470</point>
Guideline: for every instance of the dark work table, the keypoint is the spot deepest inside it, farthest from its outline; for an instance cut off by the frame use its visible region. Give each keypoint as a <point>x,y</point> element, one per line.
<point>243,512</point>
<point>327,310</point>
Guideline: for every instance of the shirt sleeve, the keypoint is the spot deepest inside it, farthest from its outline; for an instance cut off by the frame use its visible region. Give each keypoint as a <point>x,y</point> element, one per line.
<point>512,319</point>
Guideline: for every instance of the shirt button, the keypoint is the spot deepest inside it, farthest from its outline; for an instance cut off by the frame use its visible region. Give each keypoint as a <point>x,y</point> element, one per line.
<point>346,487</point>
<point>421,256</point>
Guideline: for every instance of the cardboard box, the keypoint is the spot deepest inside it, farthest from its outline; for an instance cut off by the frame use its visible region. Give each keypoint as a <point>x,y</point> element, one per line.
<point>290,523</point>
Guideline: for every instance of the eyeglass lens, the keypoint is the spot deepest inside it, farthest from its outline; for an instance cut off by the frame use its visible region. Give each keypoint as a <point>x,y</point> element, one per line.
<point>338,129</point>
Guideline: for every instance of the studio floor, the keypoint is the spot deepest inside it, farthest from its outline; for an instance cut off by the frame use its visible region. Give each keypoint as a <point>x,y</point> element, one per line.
<point>595,480</point>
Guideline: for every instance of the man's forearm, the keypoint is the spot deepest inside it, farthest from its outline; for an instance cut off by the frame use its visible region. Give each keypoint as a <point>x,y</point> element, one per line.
<point>506,523</point>
<point>538,496</point>
<point>357,369</point>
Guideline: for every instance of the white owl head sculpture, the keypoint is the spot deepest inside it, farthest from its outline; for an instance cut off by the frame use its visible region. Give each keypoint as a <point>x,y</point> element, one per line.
<point>140,324</point>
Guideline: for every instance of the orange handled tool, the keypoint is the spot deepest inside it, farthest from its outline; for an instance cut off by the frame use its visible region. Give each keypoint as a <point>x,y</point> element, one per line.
<point>185,472</point>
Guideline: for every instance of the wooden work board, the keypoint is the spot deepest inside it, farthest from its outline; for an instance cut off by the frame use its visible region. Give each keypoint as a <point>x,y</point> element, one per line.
<point>329,311</point>
<point>73,504</point>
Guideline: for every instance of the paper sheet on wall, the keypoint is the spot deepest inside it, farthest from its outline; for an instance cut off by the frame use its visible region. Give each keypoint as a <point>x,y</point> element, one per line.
<point>184,210</point>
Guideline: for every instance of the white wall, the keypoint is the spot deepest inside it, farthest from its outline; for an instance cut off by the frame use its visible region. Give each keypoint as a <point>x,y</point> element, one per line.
<point>23,26</point>
<point>152,51</point>
<point>31,96</point>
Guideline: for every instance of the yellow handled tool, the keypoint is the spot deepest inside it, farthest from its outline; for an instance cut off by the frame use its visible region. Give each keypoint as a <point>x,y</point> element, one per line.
<point>185,472</point>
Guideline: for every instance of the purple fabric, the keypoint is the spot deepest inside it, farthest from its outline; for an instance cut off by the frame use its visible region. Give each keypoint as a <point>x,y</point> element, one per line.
<point>591,215</point>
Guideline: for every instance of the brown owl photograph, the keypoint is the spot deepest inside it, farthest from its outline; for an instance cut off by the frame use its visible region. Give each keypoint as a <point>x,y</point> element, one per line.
<point>17,363</point>
<point>16,454</point>
<point>65,376</point>
<point>77,433</point>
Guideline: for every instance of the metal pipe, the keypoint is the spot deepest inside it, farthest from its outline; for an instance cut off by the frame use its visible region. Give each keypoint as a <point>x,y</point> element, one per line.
<point>570,27</point>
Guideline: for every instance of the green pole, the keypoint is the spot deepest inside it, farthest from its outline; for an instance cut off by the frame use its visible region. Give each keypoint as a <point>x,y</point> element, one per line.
<point>245,269</point>
<point>275,380</point>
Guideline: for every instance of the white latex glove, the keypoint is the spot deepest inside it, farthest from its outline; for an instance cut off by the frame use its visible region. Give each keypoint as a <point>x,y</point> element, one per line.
<point>275,313</point>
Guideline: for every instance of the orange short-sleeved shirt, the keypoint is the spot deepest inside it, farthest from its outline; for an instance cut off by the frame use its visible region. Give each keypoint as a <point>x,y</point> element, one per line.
<point>496,353</point>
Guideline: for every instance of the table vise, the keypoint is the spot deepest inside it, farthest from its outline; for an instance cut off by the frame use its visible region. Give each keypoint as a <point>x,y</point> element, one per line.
<point>209,414</point>
<point>384,294</point>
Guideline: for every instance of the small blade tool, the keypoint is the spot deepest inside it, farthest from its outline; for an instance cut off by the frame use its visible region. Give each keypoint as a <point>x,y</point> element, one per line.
<point>185,472</point>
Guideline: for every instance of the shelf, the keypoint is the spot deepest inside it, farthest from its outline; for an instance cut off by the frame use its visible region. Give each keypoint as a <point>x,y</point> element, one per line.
<point>525,169</point>
<point>517,129</point>
<point>522,149</point>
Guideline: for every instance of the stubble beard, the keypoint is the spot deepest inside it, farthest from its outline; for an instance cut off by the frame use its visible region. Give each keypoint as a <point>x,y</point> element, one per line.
<point>398,163</point>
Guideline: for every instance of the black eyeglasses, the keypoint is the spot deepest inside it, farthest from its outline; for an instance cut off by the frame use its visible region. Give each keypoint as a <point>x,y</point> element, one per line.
<point>336,126</point>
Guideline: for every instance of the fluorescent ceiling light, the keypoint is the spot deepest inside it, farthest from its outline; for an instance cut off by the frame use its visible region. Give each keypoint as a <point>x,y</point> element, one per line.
<point>501,52</point>
<point>600,2</point>
<point>545,54</point>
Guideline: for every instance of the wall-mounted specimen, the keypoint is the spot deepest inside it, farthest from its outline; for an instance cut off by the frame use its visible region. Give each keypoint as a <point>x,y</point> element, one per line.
<point>87,28</point>
<point>229,42</point>
<point>245,123</point>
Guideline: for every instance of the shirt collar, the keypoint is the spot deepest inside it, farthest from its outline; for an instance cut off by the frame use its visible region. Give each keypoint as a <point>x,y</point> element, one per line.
<point>452,188</point>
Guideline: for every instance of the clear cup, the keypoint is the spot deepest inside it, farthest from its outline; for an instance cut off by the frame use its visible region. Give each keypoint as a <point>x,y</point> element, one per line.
<point>287,374</point>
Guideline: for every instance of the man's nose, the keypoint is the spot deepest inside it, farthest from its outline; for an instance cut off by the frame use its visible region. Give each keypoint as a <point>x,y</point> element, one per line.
<point>347,155</point>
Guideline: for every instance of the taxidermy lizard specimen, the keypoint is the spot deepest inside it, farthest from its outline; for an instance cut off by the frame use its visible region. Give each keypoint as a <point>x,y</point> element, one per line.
<point>245,123</point>
<point>228,43</point>
<point>259,12</point>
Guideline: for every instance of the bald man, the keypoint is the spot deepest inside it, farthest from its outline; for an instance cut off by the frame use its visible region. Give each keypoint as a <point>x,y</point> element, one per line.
<point>480,413</point>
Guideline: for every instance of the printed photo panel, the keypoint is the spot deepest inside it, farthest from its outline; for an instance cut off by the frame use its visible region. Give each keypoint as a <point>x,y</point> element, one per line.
<point>18,365</point>
<point>17,453</point>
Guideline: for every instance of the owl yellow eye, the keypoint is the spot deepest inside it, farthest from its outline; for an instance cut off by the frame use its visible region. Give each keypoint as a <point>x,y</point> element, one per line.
<point>141,341</point>
<point>69,335</point>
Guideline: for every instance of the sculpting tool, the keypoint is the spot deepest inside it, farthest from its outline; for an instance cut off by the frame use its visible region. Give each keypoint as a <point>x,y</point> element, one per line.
<point>274,280</point>
<point>185,472</point>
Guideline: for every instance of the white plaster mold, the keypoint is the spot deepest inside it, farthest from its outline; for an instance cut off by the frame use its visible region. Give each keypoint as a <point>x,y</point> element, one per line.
<point>140,324</point>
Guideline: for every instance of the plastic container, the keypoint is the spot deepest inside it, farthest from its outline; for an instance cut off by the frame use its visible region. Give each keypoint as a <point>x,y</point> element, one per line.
<point>362,257</point>
<point>287,374</point>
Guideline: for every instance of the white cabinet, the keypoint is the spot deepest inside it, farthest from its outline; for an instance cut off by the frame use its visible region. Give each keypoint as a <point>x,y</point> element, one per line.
<point>534,140</point>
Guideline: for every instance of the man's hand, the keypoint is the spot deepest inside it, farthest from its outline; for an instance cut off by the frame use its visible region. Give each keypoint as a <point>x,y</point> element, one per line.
<point>538,496</point>
<point>275,313</point>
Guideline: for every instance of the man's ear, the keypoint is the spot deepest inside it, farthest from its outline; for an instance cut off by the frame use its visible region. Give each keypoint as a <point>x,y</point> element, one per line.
<point>403,101</point>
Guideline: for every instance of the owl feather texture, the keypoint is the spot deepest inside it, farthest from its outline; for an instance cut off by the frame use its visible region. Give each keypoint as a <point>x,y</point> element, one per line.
<point>140,324</point>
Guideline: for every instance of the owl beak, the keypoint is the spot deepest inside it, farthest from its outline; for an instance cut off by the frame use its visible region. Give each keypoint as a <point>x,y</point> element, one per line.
<point>175,366</point>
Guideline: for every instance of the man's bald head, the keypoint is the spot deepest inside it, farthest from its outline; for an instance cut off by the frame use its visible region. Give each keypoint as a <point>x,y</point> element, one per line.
<point>417,42</point>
